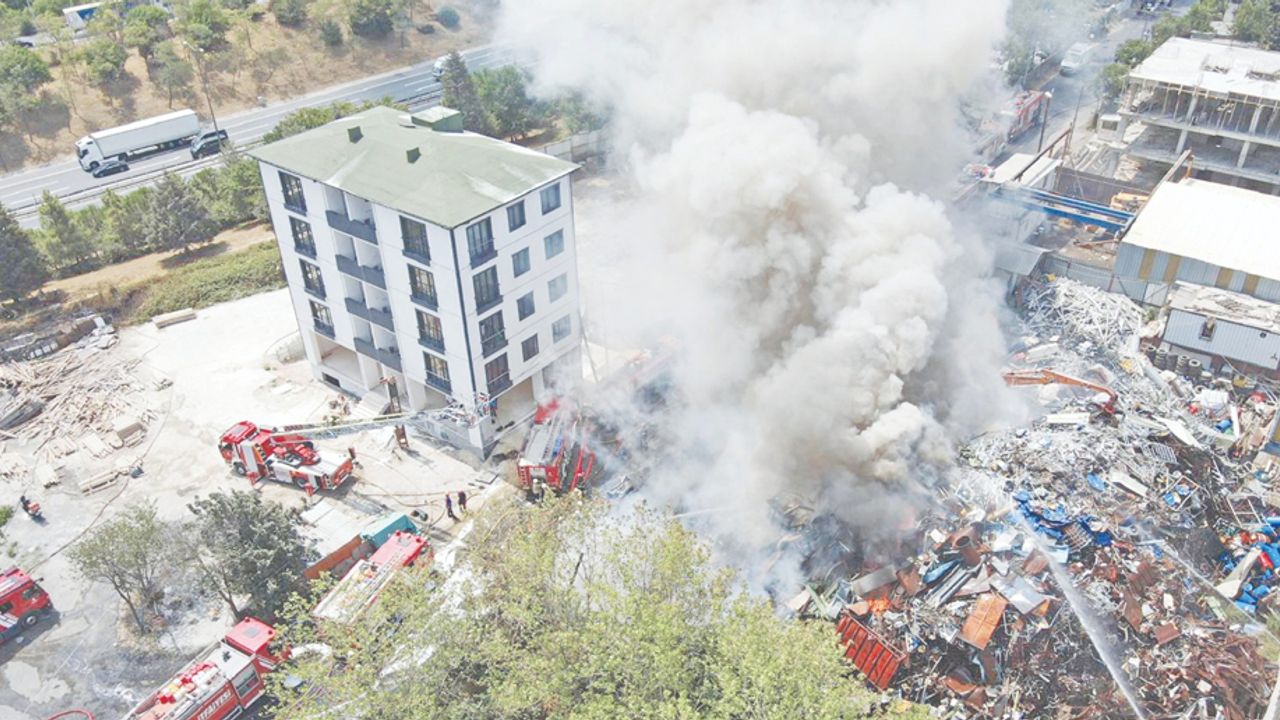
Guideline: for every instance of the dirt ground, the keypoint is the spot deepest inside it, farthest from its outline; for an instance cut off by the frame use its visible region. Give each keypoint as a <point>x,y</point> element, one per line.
<point>222,367</point>
<point>263,60</point>
<point>149,267</point>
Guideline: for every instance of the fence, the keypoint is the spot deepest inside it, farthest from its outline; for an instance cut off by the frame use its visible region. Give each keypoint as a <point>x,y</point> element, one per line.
<point>1103,278</point>
<point>577,148</point>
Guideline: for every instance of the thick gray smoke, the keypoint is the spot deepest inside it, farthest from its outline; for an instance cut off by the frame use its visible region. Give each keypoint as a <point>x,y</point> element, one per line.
<point>776,221</point>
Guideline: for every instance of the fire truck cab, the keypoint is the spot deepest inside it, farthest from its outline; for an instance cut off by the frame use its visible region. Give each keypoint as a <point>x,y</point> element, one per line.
<point>263,454</point>
<point>219,684</point>
<point>22,603</point>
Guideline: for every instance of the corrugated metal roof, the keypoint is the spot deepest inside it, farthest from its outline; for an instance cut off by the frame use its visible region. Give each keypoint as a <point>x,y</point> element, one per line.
<point>1226,305</point>
<point>1217,224</point>
<point>455,177</point>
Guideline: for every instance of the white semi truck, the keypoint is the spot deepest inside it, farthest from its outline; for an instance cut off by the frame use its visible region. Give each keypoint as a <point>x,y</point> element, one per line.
<point>158,133</point>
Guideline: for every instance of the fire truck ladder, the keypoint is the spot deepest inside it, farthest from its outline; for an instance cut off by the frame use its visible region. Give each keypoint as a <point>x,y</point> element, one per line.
<point>346,601</point>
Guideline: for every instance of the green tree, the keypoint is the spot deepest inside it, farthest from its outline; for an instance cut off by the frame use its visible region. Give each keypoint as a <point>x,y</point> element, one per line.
<point>461,95</point>
<point>289,12</point>
<point>103,60</point>
<point>504,99</point>
<point>1255,21</point>
<point>561,611</point>
<point>448,17</point>
<point>1132,52</point>
<point>370,18</point>
<point>64,241</point>
<point>245,546</point>
<point>330,32</point>
<point>578,114</point>
<point>22,267</point>
<point>175,219</point>
<point>170,71</point>
<point>313,117</point>
<point>204,23</point>
<point>123,236</point>
<point>20,67</point>
<point>145,27</point>
<point>130,553</point>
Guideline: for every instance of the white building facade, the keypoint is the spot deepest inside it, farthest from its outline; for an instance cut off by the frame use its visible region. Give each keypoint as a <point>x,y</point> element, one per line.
<point>445,260</point>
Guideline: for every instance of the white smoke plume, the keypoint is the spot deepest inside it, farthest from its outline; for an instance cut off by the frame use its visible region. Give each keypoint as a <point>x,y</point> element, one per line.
<point>835,331</point>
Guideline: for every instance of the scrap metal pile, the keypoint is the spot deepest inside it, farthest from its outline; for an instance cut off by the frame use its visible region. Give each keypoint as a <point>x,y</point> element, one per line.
<point>1085,566</point>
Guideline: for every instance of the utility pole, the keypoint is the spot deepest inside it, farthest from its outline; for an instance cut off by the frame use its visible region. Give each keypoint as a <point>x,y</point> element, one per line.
<point>1044,119</point>
<point>198,54</point>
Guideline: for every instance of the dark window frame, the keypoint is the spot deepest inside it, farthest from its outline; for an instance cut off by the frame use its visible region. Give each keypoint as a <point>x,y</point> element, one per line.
<point>482,281</point>
<point>304,239</point>
<point>550,198</point>
<point>427,293</point>
<point>551,287</point>
<point>415,243</point>
<point>516,270</point>
<point>515,223</point>
<point>480,242</point>
<point>558,236</point>
<point>291,188</point>
<point>308,270</point>
<point>525,353</point>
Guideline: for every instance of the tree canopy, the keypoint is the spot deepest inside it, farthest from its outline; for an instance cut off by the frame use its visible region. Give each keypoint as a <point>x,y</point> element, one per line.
<point>130,553</point>
<point>460,94</point>
<point>145,27</point>
<point>370,18</point>
<point>505,100</point>
<point>22,268</point>
<point>20,67</point>
<point>175,219</point>
<point>560,611</point>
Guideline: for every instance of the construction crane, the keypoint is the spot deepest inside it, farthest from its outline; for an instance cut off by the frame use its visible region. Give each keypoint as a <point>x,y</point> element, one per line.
<point>1048,376</point>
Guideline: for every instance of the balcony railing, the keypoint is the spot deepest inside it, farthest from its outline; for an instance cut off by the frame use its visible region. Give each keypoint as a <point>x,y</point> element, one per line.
<point>428,302</point>
<point>484,256</point>
<point>431,343</point>
<point>314,292</point>
<point>439,383</point>
<point>371,275</point>
<point>389,357</point>
<point>492,302</point>
<point>493,343</point>
<point>326,330</point>
<point>366,348</point>
<point>305,250</point>
<point>381,317</point>
<point>357,308</point>
<point>299,207</point>
<point>499,384</point>
<point>363,229</point>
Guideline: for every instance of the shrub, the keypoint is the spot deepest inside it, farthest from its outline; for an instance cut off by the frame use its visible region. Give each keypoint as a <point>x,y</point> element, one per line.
<point>426,29</point>
<point>330,33</point>
<point>289,12</point>
<point>370,18</point>
<point>448,17</point>
<point>213,280</point>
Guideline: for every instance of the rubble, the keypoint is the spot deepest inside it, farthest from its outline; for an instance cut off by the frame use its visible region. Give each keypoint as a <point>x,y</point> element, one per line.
<point>1086,561</point>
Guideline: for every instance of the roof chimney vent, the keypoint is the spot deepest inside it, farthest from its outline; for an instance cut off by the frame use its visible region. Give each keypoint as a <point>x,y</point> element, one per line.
<point>412,154</point>
<point>354,134</point>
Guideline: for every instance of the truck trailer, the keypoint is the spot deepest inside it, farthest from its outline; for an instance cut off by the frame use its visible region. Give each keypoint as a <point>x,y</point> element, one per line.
<point>164,132</point>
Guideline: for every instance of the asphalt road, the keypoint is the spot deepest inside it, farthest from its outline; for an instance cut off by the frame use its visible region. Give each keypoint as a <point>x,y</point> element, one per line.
<point>21,191</point>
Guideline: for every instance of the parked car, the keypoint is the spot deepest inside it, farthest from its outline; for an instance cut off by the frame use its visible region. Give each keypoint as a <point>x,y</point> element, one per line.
<point>209,143</point>
<point>110,167</point>
<point>437,70</point>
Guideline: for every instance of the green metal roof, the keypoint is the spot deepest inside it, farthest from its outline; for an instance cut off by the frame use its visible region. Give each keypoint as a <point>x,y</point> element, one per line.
<point>455,176</point>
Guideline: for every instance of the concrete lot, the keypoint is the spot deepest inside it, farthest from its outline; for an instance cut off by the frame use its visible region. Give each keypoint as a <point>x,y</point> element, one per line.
<point>223,369</point>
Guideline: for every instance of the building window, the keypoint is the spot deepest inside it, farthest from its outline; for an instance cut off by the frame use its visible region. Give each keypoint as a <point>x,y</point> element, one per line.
<point>1206,330</point>
<point>497,374</point>
<point>524,306</point>
<point>515,216</point>
<point>303,241</point>
<point>422,286</point>
<point>322,317</point>
<point>529,347</point>
<point>520,263</point>
<point>554,244</point>
<point>486,287</point>
<point>429,331</point>
<point>550,198</point>
<point>292,189</point>
<point>493,335</point>
<point>561,328</point>
<point>414,234</point>
<point>437,372</point>
<point>480,242</point>
<point>557,287</point>
<point>311,278</point>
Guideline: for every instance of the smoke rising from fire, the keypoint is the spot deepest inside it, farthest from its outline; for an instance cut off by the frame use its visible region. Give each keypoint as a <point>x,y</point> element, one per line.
<point>779,157</point>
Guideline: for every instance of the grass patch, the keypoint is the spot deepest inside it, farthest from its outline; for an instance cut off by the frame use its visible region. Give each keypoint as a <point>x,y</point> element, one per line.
<point>208,282</point>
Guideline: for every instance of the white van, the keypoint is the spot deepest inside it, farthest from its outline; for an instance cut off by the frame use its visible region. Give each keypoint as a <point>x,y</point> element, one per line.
<point>1077,57</point>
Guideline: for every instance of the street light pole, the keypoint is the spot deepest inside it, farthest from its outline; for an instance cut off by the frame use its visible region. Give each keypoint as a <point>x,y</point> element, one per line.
<point>204,81</point>
<point>1044,119</point>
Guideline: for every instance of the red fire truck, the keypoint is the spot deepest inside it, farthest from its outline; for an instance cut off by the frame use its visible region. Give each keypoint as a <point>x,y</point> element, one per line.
<point>362,585</point>
<point>22,603</point>
<point>264,454</point>
<point>555,454</point>
<point>219,684</point>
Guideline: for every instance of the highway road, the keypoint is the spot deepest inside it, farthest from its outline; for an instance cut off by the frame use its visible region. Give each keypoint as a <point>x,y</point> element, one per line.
<point>21,191</point>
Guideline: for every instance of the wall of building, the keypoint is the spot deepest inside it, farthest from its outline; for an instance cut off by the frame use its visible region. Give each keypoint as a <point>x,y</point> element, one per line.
<point>1161,267</point>
<point>1230,340</point>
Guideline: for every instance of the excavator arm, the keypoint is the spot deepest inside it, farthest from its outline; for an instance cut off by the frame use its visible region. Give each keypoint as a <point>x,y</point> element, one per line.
<point>1052,377</point>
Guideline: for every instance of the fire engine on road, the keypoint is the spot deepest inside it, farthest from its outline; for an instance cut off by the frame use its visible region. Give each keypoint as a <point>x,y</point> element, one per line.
<point>265,454</point>
<point>219,684</point>
<point>22,603</point>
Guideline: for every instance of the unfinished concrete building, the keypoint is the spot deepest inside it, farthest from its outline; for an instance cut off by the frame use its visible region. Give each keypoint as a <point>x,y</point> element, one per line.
<point>1220,101</point>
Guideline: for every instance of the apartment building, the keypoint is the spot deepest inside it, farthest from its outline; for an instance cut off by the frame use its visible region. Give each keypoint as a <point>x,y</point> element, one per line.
<point>440,258</point>
<point>1220,101</point>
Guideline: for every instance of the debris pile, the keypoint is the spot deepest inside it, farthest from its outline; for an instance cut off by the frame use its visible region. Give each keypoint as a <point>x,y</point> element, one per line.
<point>1078,566</point>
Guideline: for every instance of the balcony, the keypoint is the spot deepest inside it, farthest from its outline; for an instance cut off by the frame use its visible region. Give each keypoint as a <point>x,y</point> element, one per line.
<point>489,304</point>
<point>493,343</point>
<point>326,330</point>
<point>439,383</point>
<point>499,384</point>
<point>431,343</point>
<point>362,229</point>
<point>357,308</point>
<point>387,356</point>
<point>374,276</point>
<point>366,348</point>
<point>381,317</point>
